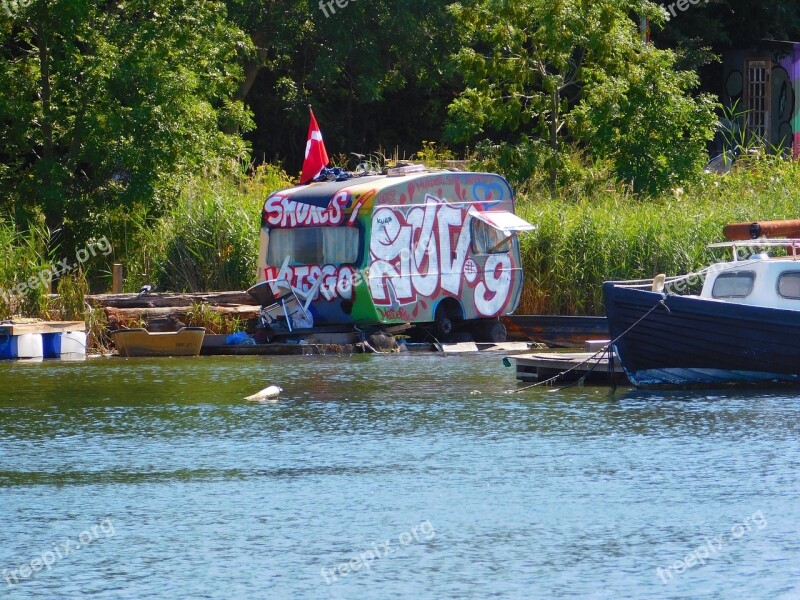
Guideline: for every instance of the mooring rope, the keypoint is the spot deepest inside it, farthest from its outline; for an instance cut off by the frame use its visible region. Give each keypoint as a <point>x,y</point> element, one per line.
<point>607,348</point>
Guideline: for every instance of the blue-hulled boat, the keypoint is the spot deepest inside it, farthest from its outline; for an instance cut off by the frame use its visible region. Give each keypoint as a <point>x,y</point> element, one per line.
<point>743,328</point>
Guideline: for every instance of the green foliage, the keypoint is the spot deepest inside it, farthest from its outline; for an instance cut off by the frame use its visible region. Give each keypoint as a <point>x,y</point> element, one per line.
<point>647,122</point>
<point>525,166</point>
<point>24,262</point>
<point>578,70</point>
<point>203,315</point>
<point>377,72</point>
<point>431,156</point>
<point>109,105</point>
<point>71,302</point>
<point>706,28</point>
<point>208,240</point>
<point>583,240</point>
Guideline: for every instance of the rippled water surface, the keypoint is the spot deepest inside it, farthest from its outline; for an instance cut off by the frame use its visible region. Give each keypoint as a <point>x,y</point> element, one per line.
<point>388,476</point>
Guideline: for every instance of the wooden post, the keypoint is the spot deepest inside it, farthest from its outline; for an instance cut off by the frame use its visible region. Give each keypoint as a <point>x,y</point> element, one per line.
<point>116,285</point>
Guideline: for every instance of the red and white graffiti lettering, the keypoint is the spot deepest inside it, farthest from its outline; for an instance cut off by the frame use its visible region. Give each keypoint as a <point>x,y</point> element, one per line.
<point>282,211</point>
<point>337,282</point>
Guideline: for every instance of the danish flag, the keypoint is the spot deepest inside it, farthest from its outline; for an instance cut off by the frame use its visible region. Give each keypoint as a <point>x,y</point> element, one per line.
<point>316,156</point>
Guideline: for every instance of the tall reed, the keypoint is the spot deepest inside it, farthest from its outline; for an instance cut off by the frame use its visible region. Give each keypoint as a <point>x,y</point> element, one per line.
<point>24,261</point>
<point>608,234</point>
<point>208,240</point>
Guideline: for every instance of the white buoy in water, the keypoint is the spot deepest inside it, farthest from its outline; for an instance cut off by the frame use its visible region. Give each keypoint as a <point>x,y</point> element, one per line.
<point>267,393</point>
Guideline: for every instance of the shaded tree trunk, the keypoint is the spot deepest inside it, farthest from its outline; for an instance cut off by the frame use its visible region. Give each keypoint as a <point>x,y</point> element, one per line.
<point>44,71</point>
<point>554,141</point>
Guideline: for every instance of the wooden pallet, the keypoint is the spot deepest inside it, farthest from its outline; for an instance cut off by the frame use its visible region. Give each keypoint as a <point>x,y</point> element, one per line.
<point>542,366</point>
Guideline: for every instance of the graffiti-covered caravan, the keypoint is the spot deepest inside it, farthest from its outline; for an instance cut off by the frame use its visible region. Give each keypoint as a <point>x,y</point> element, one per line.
<point>408,247</point>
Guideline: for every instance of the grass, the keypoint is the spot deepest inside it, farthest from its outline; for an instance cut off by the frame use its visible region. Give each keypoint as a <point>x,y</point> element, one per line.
<point>207,241</point>
<point>585,239</point>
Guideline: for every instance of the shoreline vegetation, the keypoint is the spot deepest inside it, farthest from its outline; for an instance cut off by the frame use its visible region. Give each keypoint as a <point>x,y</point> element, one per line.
<point>113,131</point>
<point>591,230</point>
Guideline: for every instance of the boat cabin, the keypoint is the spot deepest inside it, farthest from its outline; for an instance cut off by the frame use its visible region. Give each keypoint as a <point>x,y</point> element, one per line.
<point>758,280</point>
<point>409,246</point>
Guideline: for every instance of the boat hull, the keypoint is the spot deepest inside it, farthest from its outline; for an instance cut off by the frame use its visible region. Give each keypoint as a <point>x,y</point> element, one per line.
<point>187,341</point>
<point>690,341</point>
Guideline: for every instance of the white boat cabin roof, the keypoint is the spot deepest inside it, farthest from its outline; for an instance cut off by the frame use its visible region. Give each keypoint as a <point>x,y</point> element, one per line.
<point>757,279</point>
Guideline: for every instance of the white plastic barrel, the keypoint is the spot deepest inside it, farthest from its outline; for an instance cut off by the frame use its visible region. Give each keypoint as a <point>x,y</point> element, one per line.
<point>29,345</point>
<point>73,344</point>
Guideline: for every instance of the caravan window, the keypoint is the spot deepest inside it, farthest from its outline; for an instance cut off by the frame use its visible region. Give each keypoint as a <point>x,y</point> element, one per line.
<point>733,285</point>
<point>488,240</point>
<point>314,246</point>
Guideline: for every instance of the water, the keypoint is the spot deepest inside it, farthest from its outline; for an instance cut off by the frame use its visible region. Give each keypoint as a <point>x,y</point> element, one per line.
<point>194,493</point>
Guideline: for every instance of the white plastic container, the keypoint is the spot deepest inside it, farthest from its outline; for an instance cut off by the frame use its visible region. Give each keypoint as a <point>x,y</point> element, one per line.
<point>69,345</point>
<point>73,345</point>
<point>29,346</point>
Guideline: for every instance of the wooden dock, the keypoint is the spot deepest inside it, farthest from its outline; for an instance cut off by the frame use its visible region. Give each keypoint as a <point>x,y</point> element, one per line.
<point>533,368</point>
<point>317,348</point>
<point>22,327</point>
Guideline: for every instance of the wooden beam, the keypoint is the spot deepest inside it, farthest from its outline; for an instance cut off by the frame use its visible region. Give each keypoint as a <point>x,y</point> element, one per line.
<point>170,300</point>
<point>116,285</point>
<point>42,327</point>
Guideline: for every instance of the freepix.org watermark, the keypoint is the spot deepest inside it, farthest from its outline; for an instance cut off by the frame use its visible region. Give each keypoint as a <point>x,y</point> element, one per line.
<point>379,550</point>
<point>12,7</point>
<point>57,269</point>
<point>57,551</point>
<point>711,547</point>
<point>680,5</point>
<point>327,6</point>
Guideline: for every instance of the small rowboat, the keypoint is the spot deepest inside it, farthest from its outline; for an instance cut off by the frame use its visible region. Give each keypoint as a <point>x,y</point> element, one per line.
<point>187,341</point>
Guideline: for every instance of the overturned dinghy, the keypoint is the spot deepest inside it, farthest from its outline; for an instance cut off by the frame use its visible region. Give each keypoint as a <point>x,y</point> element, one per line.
<point>187,341</point>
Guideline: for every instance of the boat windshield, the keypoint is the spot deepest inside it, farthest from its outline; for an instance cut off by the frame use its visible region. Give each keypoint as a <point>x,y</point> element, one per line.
<point>733,285</point>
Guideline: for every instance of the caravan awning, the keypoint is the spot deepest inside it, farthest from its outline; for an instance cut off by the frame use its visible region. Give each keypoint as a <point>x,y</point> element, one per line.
<point>503,220</point>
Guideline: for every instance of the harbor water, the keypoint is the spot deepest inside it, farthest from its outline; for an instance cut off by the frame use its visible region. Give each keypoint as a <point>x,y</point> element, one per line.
<point>405,476</point>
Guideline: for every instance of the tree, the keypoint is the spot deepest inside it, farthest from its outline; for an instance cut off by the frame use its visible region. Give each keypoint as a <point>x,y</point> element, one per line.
<point>538,67</point>
<point>110,105</point>
<point>647,122</point>
<point>377,73</point>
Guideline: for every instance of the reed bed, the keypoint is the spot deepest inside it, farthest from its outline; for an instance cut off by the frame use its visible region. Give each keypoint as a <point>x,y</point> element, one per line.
<point>208,240</point>
<point>611,234</point>
<point>591,231</point>
<point>24,257</point>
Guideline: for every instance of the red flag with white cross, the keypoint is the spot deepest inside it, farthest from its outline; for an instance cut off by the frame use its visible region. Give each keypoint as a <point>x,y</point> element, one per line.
<point>316,156</point>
